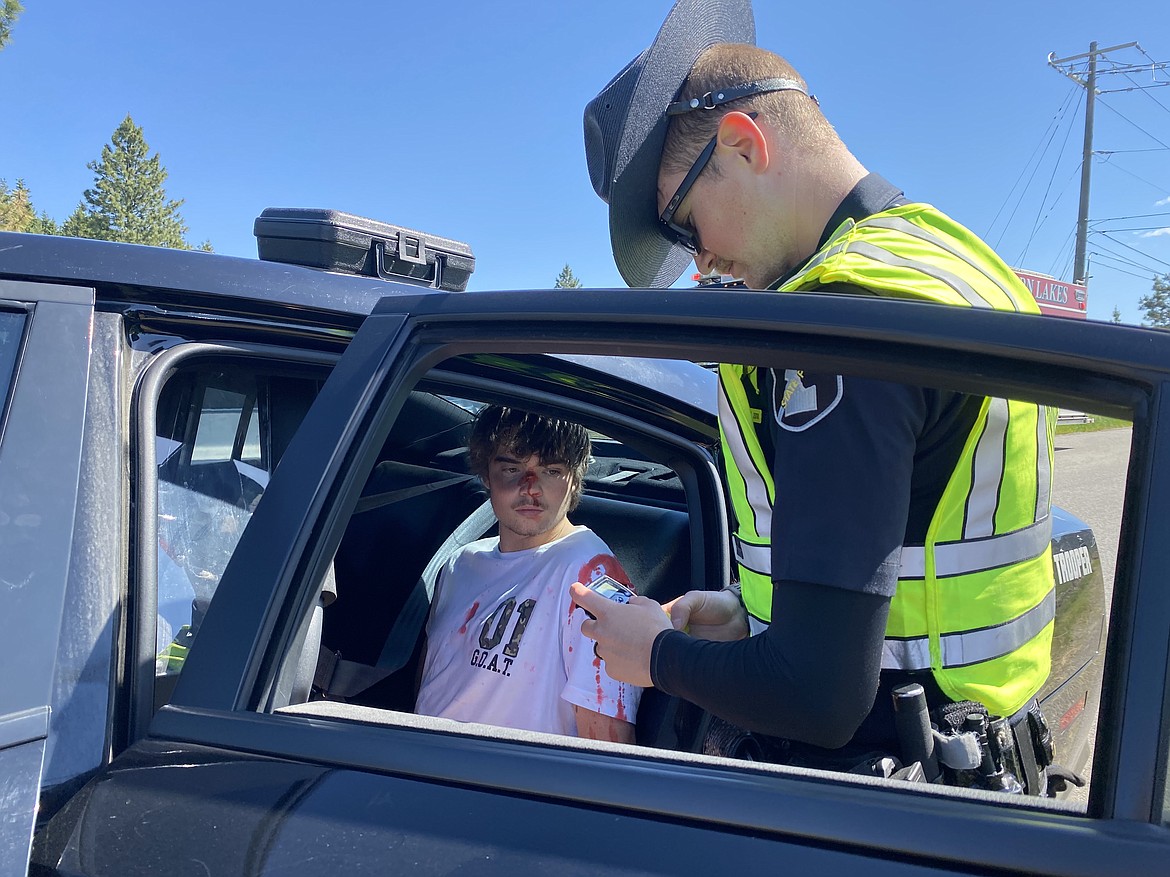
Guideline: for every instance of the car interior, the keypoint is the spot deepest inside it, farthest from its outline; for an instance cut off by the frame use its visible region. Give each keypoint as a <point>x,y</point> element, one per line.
<point>649,494</point>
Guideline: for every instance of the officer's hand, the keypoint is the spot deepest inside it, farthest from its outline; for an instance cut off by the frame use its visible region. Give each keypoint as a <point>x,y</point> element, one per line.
<point>624,632</point>
<point>717,615</point>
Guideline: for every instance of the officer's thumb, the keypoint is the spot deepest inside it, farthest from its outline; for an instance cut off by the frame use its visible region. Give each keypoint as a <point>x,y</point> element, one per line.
<point>680,610</point>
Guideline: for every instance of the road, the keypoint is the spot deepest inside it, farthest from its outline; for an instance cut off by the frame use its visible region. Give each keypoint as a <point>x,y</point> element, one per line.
<point>1089,481</point>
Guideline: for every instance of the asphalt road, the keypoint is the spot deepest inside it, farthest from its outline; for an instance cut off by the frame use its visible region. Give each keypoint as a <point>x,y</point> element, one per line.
<point>1089,481</point>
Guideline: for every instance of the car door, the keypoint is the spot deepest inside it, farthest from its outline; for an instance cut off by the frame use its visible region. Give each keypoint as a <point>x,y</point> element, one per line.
<point>44,370</point>
<point>242,779</point>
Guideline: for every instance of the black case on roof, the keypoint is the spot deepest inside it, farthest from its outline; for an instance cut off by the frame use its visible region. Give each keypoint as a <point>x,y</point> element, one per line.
<point>337,241</point>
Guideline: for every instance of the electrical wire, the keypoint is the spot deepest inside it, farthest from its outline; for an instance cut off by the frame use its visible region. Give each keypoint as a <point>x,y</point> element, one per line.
<point>1037,222</point>
<point>1129,121</point>
<point>1042,149</point>
<point>1134,216</point>
<point>1104,256</point>
<point>1063,252</point>
<point>1141,228</point>
<point>1132,174</point>
<point>1107,236</point>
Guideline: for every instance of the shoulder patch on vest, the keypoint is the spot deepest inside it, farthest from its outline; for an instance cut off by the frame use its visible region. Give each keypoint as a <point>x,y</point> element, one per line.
<point>801,399</point>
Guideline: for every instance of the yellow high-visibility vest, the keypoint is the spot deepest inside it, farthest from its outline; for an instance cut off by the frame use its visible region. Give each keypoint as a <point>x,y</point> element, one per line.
<point>975,604</point>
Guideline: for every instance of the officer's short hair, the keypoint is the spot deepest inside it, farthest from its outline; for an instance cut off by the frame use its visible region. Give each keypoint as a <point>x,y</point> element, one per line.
<point>722,66</point>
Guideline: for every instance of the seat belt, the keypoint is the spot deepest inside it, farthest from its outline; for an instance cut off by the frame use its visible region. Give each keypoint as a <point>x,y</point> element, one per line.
<point>339,678</point>
<point>378,500</point>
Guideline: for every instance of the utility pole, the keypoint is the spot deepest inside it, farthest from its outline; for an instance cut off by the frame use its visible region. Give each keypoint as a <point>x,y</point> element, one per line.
<point>1079,271</point>
<point>1090,86</point>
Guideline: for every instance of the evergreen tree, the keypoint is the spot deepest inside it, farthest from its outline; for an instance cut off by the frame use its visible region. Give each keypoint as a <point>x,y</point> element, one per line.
<point>9,11</point>
<point>16,210</point>
<point>80,224</point>
<point>1116,315</point>
<point>566,279</point>
<point>17,213</point>
<point>128,202</point>
<point>1157,303</point>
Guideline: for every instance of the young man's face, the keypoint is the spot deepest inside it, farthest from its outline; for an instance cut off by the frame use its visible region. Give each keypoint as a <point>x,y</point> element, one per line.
<point>530,499</point>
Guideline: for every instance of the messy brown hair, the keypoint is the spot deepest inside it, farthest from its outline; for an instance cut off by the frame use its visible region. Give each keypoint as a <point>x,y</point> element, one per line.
<point>522,434</point>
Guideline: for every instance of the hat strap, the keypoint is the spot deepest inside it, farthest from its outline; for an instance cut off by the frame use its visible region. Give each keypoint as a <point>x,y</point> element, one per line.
<point>712,99</point>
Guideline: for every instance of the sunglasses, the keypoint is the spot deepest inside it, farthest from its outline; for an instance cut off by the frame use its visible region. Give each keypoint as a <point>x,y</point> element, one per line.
<point>684,236</point>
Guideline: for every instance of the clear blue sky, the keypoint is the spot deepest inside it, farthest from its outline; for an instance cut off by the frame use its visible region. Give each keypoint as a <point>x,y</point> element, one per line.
<point>464,118</point>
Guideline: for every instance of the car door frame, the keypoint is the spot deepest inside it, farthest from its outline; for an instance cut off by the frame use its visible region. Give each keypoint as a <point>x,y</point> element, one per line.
<point>40,469</point>
<point>1091,367</point>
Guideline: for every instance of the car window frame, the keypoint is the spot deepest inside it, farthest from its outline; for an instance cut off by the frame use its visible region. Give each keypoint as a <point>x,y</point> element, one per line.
<point>143,590</point>
<point>1090,367</point>
<point>40,473</point>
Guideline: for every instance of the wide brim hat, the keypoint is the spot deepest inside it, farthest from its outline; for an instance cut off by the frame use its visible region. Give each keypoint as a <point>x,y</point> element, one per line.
<point>625,129</point>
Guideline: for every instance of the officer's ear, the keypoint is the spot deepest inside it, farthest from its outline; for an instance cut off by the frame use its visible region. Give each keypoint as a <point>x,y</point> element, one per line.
<point>742,139</point>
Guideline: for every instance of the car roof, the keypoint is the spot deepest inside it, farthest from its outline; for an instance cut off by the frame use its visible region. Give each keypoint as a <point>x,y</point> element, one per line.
<point>135,271</point>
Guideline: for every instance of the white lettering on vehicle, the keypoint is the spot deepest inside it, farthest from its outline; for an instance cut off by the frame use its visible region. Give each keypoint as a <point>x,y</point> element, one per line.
<point>1072,564</point>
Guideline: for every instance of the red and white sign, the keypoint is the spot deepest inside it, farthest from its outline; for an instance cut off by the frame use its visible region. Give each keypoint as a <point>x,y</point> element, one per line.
<point>1056,298</point>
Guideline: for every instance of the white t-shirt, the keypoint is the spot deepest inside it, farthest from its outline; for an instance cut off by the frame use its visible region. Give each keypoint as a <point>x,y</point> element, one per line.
<point>504,642</point>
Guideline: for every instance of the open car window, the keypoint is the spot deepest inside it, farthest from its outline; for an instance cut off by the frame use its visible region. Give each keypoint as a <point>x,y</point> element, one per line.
<point>221,424</point>
<point>399,418</point>
<point>666,531</point>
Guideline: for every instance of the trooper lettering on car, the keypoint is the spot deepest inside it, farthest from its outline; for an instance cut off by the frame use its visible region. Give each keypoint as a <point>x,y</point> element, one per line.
<point>1072,564</point>
<point>802,399</point>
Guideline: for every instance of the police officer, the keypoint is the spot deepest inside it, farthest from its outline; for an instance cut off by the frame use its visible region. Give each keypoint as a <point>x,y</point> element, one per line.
<point>883,533</point>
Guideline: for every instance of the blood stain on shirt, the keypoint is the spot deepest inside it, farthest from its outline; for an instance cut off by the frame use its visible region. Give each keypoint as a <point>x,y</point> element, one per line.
<point>602,565</point>
<point>470,615</point>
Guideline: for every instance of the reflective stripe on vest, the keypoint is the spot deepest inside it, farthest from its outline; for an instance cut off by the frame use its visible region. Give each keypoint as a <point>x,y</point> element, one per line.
<point>750,486</point>
<point>975,605</point>
<point>971,646</point>
<point>980,555</point>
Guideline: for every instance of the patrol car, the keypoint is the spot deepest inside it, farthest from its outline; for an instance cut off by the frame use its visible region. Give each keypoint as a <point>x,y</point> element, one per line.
<point>221,484</point>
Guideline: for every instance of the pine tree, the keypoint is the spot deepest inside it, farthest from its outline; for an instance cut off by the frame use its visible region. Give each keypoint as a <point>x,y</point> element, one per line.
<point>1116,315</point>
<point>17,213</point>
<point>16,210</point>
<point>1157,303</point>
<point>128,202</point>
<point>566,279</point>
<point>80,224</point>
<point>9,11</point>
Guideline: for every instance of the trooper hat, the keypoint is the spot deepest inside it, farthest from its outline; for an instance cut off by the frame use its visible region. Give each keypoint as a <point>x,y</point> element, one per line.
<point>625,129</point>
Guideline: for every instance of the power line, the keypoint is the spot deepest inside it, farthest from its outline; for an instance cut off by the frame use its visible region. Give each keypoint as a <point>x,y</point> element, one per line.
<point>1141,228</point>
<point>1106,234</point>
<point>1042,149</point>
<point>1123,117</point>
<point>1090,87</point>
<point>1037,223</point>
<point>1061,252</point>
<point>1135,216</point>
<point>1124,260</point>
<point>1135,176</point>
<point>1127,151</point>
<point>1120,270</point>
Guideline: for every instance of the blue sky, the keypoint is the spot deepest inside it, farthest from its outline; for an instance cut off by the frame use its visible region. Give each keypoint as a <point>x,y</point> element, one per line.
<point>464,118</point>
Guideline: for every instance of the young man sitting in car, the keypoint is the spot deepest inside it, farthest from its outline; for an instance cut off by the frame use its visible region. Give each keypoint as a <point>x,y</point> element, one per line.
<point>504,643</point>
